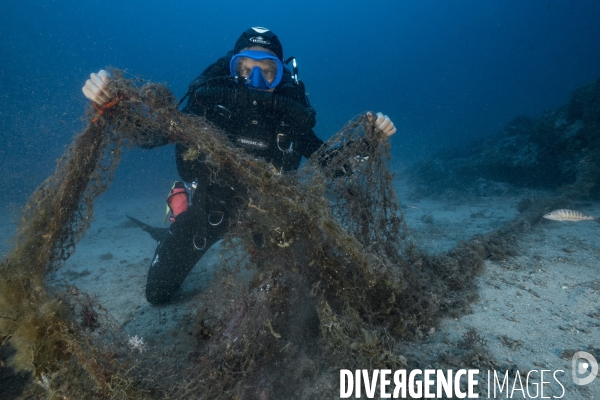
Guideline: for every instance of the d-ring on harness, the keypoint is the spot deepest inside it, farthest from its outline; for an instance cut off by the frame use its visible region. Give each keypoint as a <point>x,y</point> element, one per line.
<point>199,248</point>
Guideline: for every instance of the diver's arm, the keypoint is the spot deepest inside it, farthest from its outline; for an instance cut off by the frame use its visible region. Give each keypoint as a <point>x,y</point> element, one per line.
<point>330,155</point>
<point>217,69</point>
<point>309,143</point>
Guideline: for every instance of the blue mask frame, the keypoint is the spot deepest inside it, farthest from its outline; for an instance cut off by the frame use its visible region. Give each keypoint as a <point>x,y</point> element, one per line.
<point>257,79</point>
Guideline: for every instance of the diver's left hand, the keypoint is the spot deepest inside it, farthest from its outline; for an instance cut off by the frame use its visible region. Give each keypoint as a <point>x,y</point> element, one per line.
<point>383,123</point>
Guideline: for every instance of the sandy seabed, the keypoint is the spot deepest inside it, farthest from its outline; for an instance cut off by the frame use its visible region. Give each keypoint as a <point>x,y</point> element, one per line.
<point>535,309</point>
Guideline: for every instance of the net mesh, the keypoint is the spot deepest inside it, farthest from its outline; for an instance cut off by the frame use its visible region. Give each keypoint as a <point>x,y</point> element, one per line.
<point>338,280</point>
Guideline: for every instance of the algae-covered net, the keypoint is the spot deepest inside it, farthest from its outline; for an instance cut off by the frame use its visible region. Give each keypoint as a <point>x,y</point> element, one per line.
<point>337,278</point>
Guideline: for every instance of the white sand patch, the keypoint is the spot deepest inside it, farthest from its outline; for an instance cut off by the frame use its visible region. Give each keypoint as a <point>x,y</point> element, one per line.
<point>535,309</point>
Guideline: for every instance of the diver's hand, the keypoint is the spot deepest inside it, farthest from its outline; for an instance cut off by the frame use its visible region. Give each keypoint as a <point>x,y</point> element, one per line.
<point>96,88</point>
<point>383,123</point>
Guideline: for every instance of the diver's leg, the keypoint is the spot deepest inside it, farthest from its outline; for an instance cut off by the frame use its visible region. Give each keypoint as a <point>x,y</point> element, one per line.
<point>176,255</point>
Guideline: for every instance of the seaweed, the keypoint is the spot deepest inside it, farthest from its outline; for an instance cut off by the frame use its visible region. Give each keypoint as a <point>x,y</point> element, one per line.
<point>337,283</point>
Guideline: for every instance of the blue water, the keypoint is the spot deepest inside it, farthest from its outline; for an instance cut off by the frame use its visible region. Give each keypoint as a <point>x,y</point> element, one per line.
<point>446,72</point>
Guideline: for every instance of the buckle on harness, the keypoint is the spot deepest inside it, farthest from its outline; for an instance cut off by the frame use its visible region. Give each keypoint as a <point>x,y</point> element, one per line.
<point>191,188</point>
<point>222,111</point>
<point>290,150</point>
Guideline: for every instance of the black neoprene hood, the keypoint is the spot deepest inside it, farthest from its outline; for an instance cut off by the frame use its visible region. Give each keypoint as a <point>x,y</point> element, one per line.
<point>262,37</point>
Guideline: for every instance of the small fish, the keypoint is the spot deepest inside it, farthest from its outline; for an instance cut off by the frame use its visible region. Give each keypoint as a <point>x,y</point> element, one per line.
<point>569,215</point>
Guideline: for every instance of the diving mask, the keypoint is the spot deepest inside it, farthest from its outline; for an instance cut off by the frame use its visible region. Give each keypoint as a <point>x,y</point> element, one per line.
<point>262,70</point>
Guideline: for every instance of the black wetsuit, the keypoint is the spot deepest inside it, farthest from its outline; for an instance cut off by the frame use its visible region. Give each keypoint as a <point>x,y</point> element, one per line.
<point>275,126</point>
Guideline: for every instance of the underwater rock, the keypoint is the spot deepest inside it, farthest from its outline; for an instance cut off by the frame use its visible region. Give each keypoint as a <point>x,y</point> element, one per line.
<point>559,150</point>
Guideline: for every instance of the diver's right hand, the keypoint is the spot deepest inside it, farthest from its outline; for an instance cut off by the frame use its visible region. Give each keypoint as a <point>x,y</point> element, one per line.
<point>96,88</point>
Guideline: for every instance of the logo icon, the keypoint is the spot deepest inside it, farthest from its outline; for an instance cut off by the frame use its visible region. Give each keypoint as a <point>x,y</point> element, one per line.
<point>259,40</point>
<point>259,29</point>
<point>584,364</point>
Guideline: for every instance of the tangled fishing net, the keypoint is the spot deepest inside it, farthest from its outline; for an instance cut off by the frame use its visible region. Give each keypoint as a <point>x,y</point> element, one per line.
<point>338,280</point>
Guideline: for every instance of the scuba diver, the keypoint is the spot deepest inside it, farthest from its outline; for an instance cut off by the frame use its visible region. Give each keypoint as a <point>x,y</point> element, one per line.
<point>262,106</point>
